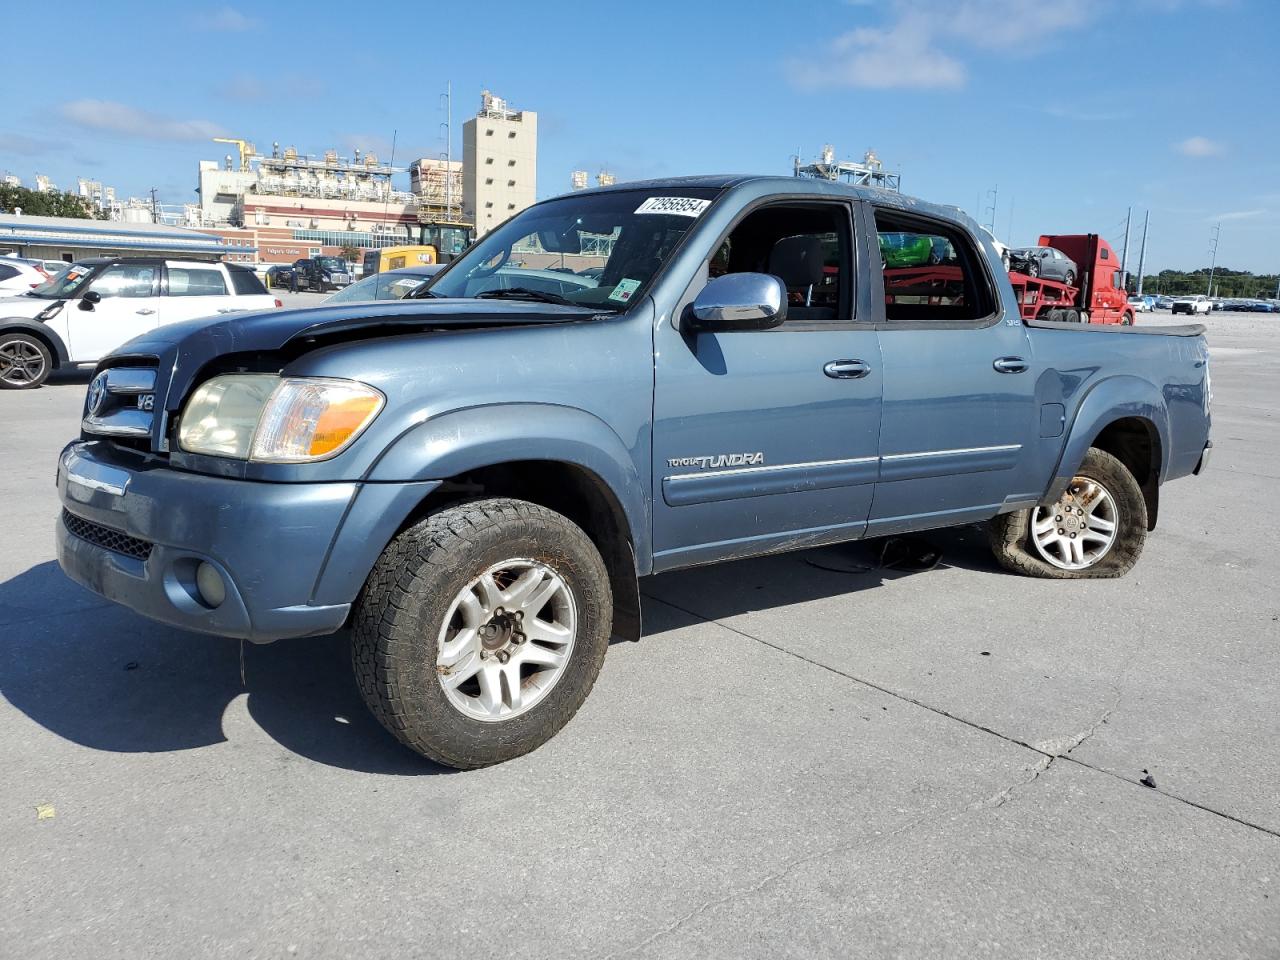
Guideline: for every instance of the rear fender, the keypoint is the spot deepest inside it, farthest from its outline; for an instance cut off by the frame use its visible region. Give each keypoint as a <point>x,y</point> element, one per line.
<point>1108,401</point>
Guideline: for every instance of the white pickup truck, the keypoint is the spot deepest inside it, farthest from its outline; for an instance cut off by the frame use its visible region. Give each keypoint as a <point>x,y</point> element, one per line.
<point>97,304</point>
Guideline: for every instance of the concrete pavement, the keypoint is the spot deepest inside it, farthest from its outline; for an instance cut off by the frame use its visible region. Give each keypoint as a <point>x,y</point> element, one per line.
<point>793,762</point>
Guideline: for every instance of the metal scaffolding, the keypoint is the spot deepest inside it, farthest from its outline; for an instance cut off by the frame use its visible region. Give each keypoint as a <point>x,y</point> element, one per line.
<point>869,172</point>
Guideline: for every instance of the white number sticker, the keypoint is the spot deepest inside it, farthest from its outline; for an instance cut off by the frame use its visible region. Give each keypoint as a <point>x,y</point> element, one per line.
<point>679,206</point>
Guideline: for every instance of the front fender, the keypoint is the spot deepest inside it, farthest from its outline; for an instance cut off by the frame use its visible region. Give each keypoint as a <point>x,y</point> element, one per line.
<point>41,330</point>
<point>1109,400</point>
<point>463,440</point>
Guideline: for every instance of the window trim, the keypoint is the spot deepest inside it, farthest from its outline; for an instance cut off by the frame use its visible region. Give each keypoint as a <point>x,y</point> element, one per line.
<point>852,305</point>
<point>871,238</point>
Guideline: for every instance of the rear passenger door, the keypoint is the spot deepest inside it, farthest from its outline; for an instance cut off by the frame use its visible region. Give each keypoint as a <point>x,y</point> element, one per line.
<point>958,426</point>
<point>766,439</point>
<point>195,290</point>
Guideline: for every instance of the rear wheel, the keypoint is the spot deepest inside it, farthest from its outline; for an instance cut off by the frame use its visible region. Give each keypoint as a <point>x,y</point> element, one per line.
<point>1070,279</point>
<point>482,630</point>
<point>1096,529</point>
<point>25,361</point>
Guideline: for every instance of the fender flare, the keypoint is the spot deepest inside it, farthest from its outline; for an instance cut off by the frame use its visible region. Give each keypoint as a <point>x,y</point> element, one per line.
<point>484,436</point>
<point>1109,400</point>
<point>59,350</point>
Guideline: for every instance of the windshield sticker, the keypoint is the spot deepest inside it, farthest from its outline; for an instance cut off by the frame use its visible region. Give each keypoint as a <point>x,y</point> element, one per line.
<point>625,288</point>
<point>680,206</point>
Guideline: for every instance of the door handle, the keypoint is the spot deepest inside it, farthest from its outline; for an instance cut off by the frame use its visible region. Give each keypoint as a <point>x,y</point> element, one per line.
<point>145,312</point>
<point>1010,365</point>
<point>846,369</point>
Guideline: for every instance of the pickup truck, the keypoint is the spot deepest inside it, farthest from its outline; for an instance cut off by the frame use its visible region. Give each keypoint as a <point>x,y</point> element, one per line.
<point>96,304</point>
<point>474,479</point>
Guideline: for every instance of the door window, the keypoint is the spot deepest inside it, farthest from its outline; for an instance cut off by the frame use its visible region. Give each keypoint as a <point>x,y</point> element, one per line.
<point>196,282</point>
<point>806,247</point>
<point>932,271</point>
<point>125,280</point>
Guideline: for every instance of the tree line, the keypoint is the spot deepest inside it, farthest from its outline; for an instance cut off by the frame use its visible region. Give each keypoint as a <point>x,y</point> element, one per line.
<point>1226,283</point>
<point>51,204</point>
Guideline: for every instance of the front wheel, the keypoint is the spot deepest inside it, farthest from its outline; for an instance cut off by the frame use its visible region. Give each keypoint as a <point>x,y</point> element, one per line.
<point>1096,529</point>
<point>1033,269</point>
<point>25,362</point>
<point>482,630</point>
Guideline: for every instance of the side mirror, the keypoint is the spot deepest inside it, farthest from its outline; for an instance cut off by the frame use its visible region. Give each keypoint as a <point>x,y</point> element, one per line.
<point>89,299</point>
<point>740,301</point>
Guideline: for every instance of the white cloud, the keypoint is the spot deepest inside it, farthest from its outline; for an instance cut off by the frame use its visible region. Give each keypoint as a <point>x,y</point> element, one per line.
<point>1239,215</point>
<point>920,46</point>
<point>1199,147</point>
<point>121,118</point>
<point>226,20</point>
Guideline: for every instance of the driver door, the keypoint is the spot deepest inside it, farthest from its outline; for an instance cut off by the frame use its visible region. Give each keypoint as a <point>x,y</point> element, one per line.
<point>129,306</point>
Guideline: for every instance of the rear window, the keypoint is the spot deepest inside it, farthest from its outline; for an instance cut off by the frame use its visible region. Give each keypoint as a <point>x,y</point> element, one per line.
<point>196,282</point>
<point>245,282</point>
<point>931,271</point>
<point>7,272</point>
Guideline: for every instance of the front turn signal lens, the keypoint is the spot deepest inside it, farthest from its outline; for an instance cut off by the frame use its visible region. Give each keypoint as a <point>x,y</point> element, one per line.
<point>310,419</point>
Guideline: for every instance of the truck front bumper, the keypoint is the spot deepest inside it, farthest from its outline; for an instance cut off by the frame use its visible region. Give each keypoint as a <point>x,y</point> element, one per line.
<point>222,556</point>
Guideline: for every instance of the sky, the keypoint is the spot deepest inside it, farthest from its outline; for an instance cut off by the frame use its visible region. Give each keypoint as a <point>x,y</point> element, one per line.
<point>1065,113</point>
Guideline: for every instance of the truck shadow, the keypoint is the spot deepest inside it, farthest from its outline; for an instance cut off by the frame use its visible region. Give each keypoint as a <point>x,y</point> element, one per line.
<point>98,675</point>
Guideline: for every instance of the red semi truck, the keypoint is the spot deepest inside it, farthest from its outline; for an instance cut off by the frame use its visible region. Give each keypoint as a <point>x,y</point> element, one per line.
<point>1098,296</point>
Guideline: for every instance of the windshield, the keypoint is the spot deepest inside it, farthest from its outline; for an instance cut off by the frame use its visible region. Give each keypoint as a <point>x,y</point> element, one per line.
<point>332,264</point>
<point>597,250</point>
<point>66,283</point>
<point>381,286</point>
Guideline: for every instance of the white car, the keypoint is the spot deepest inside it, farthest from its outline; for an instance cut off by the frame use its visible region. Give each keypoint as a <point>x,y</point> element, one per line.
<point>19,276</point>
<point>1139,303</point>
<point>1192,305</point>
<point>95,305</point>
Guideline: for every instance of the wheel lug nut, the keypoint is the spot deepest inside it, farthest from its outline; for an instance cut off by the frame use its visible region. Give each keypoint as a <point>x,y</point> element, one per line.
<point>1061,531</point>
<point>503,656</point>
<point>1073,536</point>
<point>1059,519</point>
<point>518,638</point>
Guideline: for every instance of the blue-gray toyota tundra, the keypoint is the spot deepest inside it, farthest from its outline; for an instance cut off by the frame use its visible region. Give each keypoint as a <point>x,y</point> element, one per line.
<point>611,384</point>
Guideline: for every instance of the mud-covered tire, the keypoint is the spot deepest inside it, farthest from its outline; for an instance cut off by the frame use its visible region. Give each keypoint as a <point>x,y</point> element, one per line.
<point>1010,533</point>
<point>25,361</point>
<point>405,604</point>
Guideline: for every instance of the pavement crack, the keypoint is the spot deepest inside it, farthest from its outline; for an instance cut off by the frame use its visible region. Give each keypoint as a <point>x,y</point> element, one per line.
<point>1062,748</point>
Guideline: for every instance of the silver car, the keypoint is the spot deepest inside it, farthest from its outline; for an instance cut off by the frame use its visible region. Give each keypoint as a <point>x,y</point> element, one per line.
<point>1047,262</point>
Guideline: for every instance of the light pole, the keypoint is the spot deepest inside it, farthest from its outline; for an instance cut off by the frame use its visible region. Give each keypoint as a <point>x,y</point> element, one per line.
<point>1213,253</point>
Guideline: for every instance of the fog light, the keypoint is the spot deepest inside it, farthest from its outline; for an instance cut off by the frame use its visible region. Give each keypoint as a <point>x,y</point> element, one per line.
<point>209,582</point>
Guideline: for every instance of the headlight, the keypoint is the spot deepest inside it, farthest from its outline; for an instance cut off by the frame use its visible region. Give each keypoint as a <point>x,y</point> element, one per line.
<point>265,418</point>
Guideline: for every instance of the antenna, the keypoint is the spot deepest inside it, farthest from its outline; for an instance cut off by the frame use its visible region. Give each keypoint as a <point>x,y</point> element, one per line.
<point>386,202</point>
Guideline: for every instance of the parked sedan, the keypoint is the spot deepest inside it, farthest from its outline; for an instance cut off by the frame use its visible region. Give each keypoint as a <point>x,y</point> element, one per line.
<point>1141,304</point>
<point>19,276</point>
<point>281,275</point>
<point>1047,262</point>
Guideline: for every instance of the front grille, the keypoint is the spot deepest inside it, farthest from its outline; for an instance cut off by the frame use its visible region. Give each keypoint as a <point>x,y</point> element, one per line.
<point>105,537</point>
<point>121,402</point>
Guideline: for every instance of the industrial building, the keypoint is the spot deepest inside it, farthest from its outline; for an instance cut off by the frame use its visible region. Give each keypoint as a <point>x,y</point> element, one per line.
<point>69,239</point>
<point>500,163</point>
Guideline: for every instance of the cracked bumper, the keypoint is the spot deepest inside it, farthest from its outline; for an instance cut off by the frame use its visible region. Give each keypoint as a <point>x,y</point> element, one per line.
<point>268,541</point>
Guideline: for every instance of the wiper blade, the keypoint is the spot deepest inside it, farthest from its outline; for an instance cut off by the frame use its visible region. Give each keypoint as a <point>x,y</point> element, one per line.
<point>525,293</point>
<point>421,293</point>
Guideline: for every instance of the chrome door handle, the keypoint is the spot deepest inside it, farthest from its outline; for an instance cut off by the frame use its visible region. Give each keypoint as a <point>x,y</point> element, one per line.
<point>145,312</point>
<point>846,369</point>
<point>1010,365</point>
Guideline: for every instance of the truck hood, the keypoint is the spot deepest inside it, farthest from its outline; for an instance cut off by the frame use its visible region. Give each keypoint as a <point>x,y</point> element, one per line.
<point>184,349</point>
